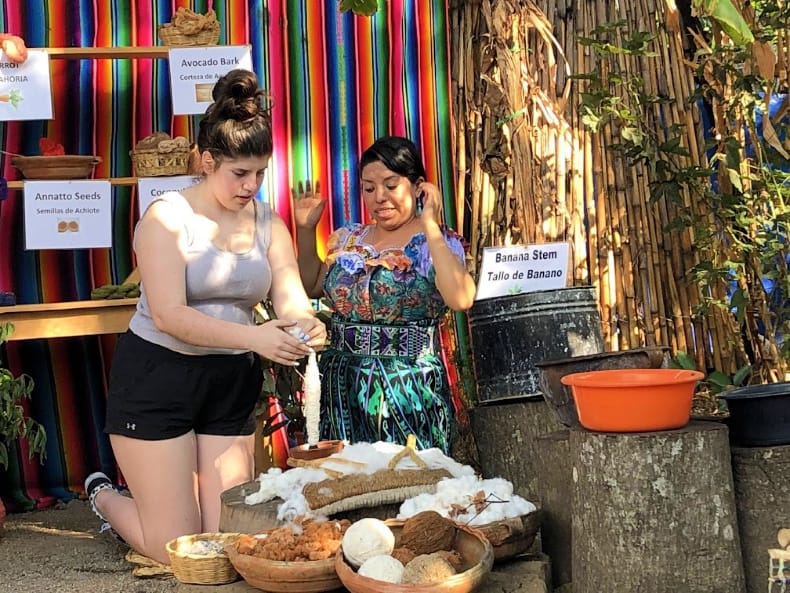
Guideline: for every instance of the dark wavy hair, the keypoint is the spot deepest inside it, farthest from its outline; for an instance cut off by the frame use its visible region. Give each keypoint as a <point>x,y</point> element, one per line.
<point>398,154</point>
<point>236,124</point>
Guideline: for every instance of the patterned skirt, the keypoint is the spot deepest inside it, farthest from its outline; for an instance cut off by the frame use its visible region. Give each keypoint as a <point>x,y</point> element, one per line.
<point>385,386</point>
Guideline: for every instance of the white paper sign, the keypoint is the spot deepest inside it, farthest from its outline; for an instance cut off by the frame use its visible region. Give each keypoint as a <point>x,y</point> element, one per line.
<point>522,268</point>
<point>195,70</point>
<point>68,214</point>
<point>150,188</point>
<point>25,91</point>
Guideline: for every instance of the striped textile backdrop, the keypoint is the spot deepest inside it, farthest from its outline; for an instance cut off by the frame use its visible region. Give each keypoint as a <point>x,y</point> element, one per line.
<point>337,81</point>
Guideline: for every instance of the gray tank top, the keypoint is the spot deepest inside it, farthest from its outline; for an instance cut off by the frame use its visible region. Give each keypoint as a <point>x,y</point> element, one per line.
<point>219,283</point>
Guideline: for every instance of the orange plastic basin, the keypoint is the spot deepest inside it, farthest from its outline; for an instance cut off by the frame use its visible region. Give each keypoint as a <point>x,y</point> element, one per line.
<point>633,400</point>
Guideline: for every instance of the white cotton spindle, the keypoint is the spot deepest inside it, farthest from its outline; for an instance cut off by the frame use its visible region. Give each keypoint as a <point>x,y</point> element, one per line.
<point>312,399</point>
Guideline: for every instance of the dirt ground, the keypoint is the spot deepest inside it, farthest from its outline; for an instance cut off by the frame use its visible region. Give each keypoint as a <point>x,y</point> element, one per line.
<point>60,550</point>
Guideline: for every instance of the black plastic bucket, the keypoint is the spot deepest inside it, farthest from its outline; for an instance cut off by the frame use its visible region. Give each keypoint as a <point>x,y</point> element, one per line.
<point>511,334</point>
<point>759,415</point>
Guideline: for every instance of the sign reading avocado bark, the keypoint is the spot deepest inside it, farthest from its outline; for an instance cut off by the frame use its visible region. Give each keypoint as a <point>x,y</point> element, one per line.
<point>25,91</point>
<point>522,268</point>
<point>195,70</point>
<point>68,214</point>
<point>150,188</point>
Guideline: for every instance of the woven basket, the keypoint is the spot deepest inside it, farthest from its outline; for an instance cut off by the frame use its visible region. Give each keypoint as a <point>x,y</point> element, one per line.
<point>171,36</point>
<point>202,569</point>
<point>513,536</point>
<point>149,162</point>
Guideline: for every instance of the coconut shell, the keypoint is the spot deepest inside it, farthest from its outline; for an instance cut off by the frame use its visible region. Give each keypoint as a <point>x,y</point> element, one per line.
<point>427,532</point>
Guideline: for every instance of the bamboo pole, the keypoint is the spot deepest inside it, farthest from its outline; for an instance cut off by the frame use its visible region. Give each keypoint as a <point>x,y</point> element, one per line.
<point>528,169</point>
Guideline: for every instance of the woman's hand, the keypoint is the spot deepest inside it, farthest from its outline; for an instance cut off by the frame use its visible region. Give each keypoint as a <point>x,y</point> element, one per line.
<point>13,47</point>
<point>431,204</point>
<point>308,205</point>
<point>274,340</point>
<point>313,332</point>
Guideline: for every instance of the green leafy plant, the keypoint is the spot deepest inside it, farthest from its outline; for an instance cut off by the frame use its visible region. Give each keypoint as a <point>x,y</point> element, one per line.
<point>284,384</point>
<point>727,16</point>
<point>364,7</point>
<point>14,423</point>
<point>717,381</point>
<point>734,199</point>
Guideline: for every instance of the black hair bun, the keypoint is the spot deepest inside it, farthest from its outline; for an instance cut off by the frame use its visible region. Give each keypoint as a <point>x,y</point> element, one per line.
<point>239,84</point>
<point>236,95</point>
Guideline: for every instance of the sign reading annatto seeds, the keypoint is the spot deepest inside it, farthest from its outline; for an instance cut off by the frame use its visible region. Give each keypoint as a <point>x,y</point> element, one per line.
<point>68,214</point>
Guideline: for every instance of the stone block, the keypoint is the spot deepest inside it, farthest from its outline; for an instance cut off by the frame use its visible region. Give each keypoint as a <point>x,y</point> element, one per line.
<point>503,582</point>
<point>235,587</point>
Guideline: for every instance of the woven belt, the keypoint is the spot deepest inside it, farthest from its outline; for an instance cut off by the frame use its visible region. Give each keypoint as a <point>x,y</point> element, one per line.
<point>384,340</point>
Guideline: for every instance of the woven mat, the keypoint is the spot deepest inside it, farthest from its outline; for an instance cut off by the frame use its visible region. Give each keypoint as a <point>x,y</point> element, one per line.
<point>357,491</point>
<point>144,567</point>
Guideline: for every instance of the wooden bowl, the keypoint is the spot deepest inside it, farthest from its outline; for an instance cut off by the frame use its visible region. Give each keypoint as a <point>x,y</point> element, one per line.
<point>277,576</point>
<point>66,166</point>
<point>477,556</point>
<point>320,450</point>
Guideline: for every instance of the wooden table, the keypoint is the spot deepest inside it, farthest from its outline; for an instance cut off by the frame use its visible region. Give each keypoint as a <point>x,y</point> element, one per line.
<point>62,320</point>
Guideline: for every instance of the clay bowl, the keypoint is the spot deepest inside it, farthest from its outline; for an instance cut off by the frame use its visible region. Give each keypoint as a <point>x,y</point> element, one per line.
<point>67,166</point>
<point>320,450</point>
<point>559,397</point>
<point>277,576</point>
<point>476,553</point>
<point>633,400</point>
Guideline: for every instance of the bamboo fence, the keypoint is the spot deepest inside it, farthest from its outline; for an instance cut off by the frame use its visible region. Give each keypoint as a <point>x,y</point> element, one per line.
<point>530,172</point>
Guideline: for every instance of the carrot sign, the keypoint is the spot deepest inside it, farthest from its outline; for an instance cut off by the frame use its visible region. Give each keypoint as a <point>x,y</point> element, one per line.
<point>26,88</point>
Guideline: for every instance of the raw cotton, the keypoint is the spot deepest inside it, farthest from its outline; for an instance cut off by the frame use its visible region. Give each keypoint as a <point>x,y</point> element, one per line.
<point>366,458</point>
<point>461,499</point>
<point>312,399</point>
<point>287,486</point>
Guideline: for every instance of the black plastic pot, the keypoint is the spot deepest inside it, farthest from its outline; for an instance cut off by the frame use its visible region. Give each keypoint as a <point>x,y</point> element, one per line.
<point>759,415</point>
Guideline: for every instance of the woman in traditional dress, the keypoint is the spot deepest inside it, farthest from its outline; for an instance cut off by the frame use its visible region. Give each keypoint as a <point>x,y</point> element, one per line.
<point>389,284</point>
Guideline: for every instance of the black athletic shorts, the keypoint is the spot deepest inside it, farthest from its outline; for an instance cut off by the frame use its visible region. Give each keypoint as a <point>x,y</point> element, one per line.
<point>158,394</point>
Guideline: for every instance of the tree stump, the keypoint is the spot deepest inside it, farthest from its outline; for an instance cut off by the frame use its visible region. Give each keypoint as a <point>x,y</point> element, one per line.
<point>554,471</point>
<point>514,441</point>
<point>762,493</point>
<point>655,512</point>
<point>506,434</point>
<point>235,516</point>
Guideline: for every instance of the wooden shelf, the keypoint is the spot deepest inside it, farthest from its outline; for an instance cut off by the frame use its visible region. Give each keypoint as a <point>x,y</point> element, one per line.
<point>79,318</point>
<point>62,320</point>
<point>19,184</point>
<point>110,53</point>
<point>97,53</point>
